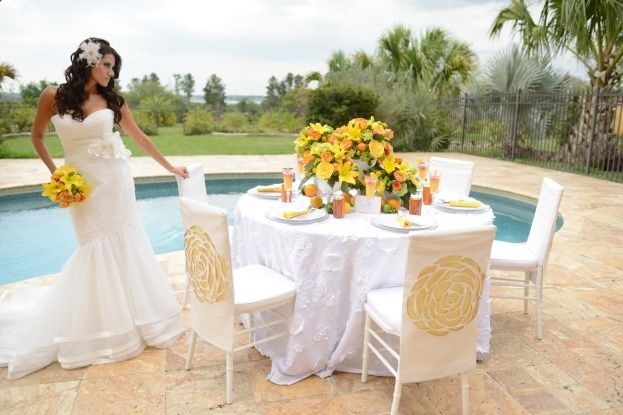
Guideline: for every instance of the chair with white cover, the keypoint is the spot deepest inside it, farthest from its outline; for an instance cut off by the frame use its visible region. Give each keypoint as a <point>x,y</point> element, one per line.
<point>456,175</point>
<point>530,257</point>
<point>220,294</point>
<point>194,186</point>
<point>434,312</point>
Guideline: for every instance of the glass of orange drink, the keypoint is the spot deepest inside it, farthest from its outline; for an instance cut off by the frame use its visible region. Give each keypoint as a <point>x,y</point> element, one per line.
<point>370,182</point>
<point>288,178</point>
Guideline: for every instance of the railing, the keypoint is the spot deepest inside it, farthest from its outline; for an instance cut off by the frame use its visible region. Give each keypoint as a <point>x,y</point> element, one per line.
<point>582,133</point>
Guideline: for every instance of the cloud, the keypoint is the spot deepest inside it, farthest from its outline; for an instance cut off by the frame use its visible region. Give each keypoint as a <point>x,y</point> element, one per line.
<point>244,42</point>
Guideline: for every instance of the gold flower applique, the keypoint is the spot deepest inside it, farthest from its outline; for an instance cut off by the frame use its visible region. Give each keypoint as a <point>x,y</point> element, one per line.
<point>446,294</point>
<point>207,269</point>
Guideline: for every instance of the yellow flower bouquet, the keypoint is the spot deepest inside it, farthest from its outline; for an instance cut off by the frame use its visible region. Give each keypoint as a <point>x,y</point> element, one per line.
<point>66,187</point>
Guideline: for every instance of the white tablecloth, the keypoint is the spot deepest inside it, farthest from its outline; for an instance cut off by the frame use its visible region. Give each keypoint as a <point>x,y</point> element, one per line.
<point>334,263</point>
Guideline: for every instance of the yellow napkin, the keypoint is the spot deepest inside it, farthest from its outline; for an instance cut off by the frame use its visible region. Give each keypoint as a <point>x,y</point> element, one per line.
<point>404,222</point>
<point>289,214</point>
<point>464,203</point>
<point>275,188</point>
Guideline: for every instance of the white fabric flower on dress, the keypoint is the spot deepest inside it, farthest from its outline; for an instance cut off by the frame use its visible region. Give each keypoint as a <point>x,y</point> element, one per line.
<point>109,145</point>
<point>90,52</point>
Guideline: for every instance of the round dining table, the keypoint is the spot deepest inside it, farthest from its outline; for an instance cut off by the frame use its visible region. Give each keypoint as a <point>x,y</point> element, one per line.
<point>334,264</point>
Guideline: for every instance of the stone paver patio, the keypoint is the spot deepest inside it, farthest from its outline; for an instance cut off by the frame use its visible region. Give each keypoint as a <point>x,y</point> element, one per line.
<point>576,369</point>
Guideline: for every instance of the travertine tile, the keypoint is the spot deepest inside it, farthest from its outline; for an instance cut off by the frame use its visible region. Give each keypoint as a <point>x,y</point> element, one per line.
<point>152,360</point>
<point>50,374</point>
<point>48,398</point>
<point>127,394</point>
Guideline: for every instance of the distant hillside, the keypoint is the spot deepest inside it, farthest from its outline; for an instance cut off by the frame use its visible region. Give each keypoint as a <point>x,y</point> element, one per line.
<point>232,99</point>
<point>11,96</point>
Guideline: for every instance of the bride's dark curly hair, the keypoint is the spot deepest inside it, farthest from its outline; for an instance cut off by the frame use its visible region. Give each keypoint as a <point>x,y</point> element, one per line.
<point>71,95</point>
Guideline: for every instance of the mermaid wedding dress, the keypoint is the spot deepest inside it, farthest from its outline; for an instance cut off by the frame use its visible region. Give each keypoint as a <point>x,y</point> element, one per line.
<point>111,298</point>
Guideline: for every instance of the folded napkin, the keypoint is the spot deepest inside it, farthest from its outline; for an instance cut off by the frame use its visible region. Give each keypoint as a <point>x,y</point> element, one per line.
<point>404,221</point>
<point>472,203</point>
<point>289,214</point>
<point>274,188</point>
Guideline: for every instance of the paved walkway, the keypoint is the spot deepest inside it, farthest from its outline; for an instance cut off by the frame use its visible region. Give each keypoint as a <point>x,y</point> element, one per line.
<point>576,369</point>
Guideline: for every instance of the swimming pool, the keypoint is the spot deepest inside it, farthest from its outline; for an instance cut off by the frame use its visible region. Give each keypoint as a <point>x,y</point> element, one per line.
<point>37,237</point>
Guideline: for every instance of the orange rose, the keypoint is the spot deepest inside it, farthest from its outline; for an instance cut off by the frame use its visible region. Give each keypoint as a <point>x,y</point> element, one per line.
<point>362,146</point>
<point>378,129</point>
<point>331,140</point>
<point>336,166</point>
<point>396,185</point>
<point>362,123</point>
<point>389,134</point>
<point>326,156</point>
<point>388,148</point>
<point>400,176</point>
<point>346,144</point>
<point>313,133</point>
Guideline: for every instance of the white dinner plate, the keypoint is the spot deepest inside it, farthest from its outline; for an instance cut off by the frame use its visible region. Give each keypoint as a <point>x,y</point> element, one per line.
<point>315,215</point>
<point>264,195</point>
<point>444,205</point>
<point>390,222</point>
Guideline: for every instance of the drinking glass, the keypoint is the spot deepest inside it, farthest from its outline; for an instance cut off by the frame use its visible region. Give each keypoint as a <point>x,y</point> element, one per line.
<point>288,178</point>
<point>370,182</point>
<point>434,182</point>
<point>422,169</point>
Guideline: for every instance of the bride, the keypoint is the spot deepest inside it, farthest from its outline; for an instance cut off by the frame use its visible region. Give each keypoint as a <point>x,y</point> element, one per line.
<point>111,298</point>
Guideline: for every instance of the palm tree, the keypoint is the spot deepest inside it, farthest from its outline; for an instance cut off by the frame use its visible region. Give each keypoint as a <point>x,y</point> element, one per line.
<point>520,81</point>
<point>436,59</point>
<point>6,71</point>
<point>591,31</point>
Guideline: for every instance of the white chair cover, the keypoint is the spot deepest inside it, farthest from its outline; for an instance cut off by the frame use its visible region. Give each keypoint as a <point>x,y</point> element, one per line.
<point>456,175</point>
<point>444,279</point>
<point>206,245</point>
<point>194,186</point>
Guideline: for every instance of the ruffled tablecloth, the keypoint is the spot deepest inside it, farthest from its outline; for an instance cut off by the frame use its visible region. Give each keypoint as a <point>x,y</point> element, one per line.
<point>334,263</point>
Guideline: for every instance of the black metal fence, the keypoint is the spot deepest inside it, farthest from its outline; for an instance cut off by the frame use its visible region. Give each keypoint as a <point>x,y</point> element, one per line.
<point>582,133</point>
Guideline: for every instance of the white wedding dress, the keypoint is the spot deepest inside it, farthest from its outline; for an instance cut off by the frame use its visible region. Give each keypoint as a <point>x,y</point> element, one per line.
<point>111,298</point>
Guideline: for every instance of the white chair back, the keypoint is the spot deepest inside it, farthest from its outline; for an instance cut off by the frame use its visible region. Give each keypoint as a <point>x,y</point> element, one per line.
<point>194,186</point>
<point>444,279</point>
<point>456,175</point>
<point>208,264</point>
<point>544,221</point>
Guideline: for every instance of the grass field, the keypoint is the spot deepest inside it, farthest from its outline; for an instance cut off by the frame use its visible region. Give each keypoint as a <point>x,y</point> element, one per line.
<point>171,142</point>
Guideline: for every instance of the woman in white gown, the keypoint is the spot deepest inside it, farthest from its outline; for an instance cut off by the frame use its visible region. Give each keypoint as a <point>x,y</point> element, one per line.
<point>111,298</point>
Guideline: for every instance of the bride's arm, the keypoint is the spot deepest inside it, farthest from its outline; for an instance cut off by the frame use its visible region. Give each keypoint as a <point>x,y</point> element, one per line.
<point>45,110</point>
<point>143,141</point>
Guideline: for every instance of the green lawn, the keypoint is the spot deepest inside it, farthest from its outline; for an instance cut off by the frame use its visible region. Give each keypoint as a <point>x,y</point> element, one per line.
<point>170,145</point>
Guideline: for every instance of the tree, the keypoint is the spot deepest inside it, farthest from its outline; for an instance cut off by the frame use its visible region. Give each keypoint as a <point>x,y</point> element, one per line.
<point>6,71</point>
<point>436,59</point>
<point>30,92</point>
<point>214,94</point>
<point>272,94</point>
<point>592,32</point>
<point>184,84</point>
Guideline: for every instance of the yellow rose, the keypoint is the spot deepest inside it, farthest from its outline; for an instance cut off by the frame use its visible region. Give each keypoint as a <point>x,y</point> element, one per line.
<point>376,149</point>
<point>324,170</point>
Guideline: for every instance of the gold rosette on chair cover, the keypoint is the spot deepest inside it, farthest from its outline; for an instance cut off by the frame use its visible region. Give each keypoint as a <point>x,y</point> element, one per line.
<point>207,267</point>
<point>446,294</point>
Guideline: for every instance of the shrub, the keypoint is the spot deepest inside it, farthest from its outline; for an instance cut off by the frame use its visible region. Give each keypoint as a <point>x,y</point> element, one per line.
<point>280,121</point>
<point>198,122</point>
<point>338,104</point>
<point>234,122</point>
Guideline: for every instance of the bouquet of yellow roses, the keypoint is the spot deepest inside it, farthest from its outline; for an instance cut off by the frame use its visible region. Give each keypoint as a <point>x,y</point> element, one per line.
<point>66,187</point>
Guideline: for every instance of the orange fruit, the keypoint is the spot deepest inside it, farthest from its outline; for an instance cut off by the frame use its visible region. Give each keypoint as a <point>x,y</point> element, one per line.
<point>394,203</point>
<point>316,202</point>
<point>310,190</point>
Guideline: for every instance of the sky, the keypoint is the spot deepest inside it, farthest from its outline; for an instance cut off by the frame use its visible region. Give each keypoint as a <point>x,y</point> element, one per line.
<point>243,42</point>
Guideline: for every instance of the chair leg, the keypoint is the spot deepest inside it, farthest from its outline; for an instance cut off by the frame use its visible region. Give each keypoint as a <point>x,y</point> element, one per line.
<point>465,393</point>
<point>396,399</point>
<point>526,291</point>
<point>229,374</point>
<point>538,298</point>
<point>191,349</point>
<point>186,294</point>
<point>366,351</point>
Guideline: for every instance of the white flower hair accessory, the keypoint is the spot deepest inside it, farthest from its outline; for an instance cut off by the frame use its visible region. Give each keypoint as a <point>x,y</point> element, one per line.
<point>90,52</point>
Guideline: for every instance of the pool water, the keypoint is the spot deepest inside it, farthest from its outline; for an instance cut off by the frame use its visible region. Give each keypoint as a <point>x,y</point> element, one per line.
<point>37,237</point>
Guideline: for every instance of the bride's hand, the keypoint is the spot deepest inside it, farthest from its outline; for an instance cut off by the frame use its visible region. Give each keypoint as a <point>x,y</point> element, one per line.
<point>181,171</point>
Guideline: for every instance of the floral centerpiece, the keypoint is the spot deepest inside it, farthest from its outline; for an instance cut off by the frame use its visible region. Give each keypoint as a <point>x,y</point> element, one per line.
<point>66,187</point>
<point>327,156</point>
<point>340,157</point>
